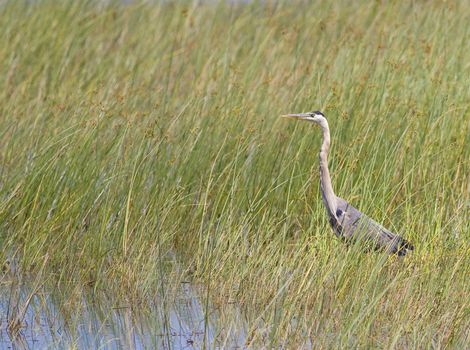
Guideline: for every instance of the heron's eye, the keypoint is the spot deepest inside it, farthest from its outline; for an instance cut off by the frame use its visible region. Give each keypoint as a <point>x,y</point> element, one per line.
<point>339,212</point>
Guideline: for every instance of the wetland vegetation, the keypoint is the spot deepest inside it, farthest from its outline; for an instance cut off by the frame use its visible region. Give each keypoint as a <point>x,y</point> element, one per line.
<point>142,160</point>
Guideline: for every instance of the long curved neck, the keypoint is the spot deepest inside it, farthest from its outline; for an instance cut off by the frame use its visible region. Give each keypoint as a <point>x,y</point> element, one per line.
<point>329,198</point>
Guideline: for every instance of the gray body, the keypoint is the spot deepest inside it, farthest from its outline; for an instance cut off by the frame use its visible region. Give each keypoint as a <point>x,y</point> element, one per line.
<point>351,224</point>
<point>347,222</point>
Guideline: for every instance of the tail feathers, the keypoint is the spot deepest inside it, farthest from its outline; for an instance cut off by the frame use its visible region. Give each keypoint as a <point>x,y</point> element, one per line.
<point>403,246</point>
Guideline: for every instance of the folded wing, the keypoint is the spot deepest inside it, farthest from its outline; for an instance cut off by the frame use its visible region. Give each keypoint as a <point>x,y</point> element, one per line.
<point>353,225</point>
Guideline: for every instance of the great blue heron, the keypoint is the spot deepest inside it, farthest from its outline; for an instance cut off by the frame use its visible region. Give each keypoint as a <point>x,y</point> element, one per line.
<point>349,223</point>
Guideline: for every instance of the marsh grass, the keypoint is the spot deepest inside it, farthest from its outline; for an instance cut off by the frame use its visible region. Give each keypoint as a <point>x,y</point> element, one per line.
<point>141,146</point>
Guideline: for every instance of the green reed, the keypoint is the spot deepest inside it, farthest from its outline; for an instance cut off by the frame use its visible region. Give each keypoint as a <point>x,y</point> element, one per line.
<point>141,146</point>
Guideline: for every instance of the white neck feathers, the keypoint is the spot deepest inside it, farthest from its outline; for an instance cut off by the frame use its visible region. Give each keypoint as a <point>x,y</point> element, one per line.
<point>329,198</point>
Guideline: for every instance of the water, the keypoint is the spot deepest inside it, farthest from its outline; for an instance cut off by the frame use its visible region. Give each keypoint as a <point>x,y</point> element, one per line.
<point>98,324</point>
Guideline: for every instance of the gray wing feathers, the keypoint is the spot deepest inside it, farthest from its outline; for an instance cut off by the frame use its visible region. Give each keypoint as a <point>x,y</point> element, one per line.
<point>351,224</point>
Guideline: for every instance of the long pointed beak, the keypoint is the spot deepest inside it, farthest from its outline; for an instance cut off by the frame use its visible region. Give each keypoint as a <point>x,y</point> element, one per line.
<point>304,116</point>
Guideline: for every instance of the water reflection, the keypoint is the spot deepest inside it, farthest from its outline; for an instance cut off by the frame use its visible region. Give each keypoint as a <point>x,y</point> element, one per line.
<point>181,324</point>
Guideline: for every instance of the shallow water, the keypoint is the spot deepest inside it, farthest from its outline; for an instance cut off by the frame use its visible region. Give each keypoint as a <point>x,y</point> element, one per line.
<point>184,324</point>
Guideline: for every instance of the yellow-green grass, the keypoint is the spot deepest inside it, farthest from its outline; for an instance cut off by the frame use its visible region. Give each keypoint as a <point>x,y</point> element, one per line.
<point>141,146</point>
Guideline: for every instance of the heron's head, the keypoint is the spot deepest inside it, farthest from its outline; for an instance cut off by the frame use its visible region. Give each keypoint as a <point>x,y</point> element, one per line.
<point>315,117</point>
